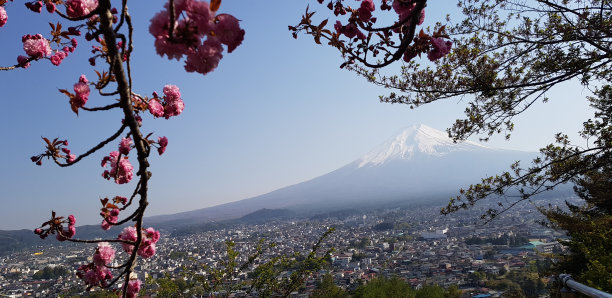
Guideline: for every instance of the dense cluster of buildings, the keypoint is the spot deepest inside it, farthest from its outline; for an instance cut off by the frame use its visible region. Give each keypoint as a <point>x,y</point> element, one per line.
<point>417,245</point>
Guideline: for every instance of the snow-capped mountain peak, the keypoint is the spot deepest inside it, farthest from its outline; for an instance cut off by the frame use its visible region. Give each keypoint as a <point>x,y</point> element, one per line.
<point>420,139</point>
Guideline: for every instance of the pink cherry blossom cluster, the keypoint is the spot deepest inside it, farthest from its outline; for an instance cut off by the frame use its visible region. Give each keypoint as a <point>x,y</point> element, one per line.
<point>121,170</point>
<point>79,8</point>
<point>94,275</point>
<point>440,48</point>
<point>133,288</point>
<point>104,254</point>
<point>409,16</point>
<point>170,105</point>
<point>97,272</point>
<point>365,10</point>
<point>147,247</point>
<point>435,47</point>
<point>36,46</point>
<point>350,30</point>
<point>195,21</point>
<point>56,226</point>
<point>69,232</point>
<point>405,9</point>
<point>81,93</point>
<point>3,16</point>
<point>59,55</point>
<point>125,145</point>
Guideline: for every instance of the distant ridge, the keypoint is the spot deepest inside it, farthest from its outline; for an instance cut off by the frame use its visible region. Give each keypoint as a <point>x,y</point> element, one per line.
<point>420,164</point>
<point>265,215</point>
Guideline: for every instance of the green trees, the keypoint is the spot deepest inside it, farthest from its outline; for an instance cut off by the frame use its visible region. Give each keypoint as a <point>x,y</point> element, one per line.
<point>589,228</point>
<point>382,287</point>
<point>385,287</point>
<point>327,289</point>
<point>51,273</point>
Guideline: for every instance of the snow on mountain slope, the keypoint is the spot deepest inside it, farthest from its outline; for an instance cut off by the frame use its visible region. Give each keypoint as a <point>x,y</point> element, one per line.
<point>415,140</point>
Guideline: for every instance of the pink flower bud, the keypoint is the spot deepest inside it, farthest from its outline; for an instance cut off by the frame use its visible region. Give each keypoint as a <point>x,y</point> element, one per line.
<point>163,143</point>
<point>50,7</point>
<point>125,145</point>
<point>23,61</point>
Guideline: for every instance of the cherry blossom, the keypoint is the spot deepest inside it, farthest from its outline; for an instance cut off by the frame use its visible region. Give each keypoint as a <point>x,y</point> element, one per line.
<point>365,10</point>
<point>81,89</point>
<point>104,254</point>
<point>198,35</point>
<point>153,234</point>
<point>440,48</point>
<point>79,8</point>
<point>185,36</point>
<point>133,288</point>
<point>94,275</point>
<point>50,6</point>
<point>228,32</point>
<point>57,58</point>
<point>109,218</point>
<point>174,104</point>
<point>36,46</point>
<point>34,6</point>
<point>120,199</point>
<point>350,30</point>
<point>199,12</point>
<point>23,61</point>
<point>156,108</point>
<point>172,92</point>
<point>3,16</point>
<point>404,9</point>
<point>147,247</point>
<point>121,170</point>
<point>195,21</point>
<point>206,58</point>
<point>125,145</point>
<point>163,143</point>
<point>128,234</point>
<point>63,234</point>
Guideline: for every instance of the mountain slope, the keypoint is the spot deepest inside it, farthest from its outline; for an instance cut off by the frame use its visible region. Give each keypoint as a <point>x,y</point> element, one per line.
<point>419,164</point>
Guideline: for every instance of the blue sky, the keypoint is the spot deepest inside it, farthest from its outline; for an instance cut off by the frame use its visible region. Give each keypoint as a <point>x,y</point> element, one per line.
<point>277,111</point>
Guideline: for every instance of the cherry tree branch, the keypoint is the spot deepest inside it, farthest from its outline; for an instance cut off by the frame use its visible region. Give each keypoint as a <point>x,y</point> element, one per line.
<point>92,150</point>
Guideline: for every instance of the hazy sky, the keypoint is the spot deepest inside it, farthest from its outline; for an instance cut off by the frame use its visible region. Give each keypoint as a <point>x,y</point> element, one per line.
<point>277,111</point>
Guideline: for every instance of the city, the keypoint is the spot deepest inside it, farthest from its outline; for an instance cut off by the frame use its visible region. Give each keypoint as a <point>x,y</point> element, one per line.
<point>419,246</point>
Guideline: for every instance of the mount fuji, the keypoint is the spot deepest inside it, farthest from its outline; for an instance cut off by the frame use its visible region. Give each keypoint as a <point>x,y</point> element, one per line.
<point>420,164</point>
